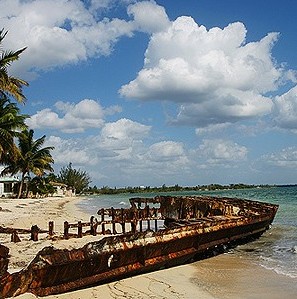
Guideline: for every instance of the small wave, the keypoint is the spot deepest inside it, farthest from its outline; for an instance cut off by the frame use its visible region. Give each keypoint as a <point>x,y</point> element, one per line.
<point>279,271</point>
<point>122,203</point>
<point>279,266</point>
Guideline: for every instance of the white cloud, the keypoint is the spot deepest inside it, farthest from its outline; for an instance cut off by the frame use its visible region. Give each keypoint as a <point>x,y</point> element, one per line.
<point>285,110</point>
<point>71,150</point>
<point>70,117</point>
<point>166,158</point>
<point>213,74</point>
<point>286,158</point>
<point>124,129</point>
<point>212,128</point>
<point>61,32</point>
<point>126,159</point>
<point>148,16</point>
<point>221,152</point>
<point>123,138</point>
<point>114,154</point>
<point>224,106</point>
<point>119,152</point>
<point>165,151</point>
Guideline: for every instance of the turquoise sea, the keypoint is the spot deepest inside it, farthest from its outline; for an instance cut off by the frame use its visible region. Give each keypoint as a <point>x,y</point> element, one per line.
<point>276,249</point>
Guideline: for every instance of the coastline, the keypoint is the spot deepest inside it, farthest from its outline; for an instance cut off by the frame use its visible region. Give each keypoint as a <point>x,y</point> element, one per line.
<point>223,276</point>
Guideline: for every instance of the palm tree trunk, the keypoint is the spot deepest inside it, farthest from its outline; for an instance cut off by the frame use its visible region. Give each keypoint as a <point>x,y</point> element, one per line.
<point>21,185</point>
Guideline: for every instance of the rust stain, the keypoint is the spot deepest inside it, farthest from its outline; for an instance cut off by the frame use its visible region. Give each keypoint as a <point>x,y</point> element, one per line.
<point>165,231</point>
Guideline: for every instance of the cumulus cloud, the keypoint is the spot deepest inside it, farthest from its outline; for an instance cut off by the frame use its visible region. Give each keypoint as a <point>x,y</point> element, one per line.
<point>214,75</point>
<point>121,152</point>
<point>286,158</point>
<point>120,140</point>
<point>113,153</point>
<point>169,156</point>
<point>61,32</point>
<point>123,138</point>
<point>149,16</point>
<point>71,150</point>
<point>71,117</point>
<point>285,110</point>
<point>221,152</point>
<point>124,129</point>
<point>225,106</point>
<point>124,156</point>
<point>165,151</point>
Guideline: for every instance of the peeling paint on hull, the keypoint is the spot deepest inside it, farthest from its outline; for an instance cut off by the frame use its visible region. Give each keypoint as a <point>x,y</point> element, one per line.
<point>195,225</point>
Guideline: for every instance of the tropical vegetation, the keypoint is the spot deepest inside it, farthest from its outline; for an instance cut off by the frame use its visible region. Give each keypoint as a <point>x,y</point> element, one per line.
<point>11,122</point>
<point>31,157</point>
<point>19,152</point>
<point>174,188</point>
<point>10,85</point>
<point>74,178</point>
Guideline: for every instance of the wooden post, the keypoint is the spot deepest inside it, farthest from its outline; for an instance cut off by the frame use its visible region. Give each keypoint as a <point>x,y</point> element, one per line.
<point>133,226</point>
<point>14,237</point>
<point>93,226</point>
<point>140,216</point>
<point>34,233</point>
<point>122,215</point>
<point>113,221</point>
<point>148,224</point>
<point>123,221</point>
<point>123,227</point>
<point>102,222</point>
<point>51,228</point>
<point>156,224</point>
<point>147,211</point>
<point>66,230</point>
<point>79,229</point>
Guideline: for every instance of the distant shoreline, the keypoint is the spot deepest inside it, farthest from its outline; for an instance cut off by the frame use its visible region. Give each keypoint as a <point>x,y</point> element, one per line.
<point>177,188</point>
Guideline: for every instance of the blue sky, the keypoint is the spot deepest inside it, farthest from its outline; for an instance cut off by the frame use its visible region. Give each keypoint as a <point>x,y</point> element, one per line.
<point>161,92</point>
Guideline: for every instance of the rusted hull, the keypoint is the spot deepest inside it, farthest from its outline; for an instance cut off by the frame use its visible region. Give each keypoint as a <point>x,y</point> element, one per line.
<point>56,271</point>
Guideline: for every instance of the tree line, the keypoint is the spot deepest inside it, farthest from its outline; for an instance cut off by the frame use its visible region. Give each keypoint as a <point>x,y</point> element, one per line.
<point>175,188</point>
<point>20,152</point>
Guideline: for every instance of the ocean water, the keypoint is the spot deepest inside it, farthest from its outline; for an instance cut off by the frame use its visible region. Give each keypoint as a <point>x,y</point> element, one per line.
<point>275,250</point>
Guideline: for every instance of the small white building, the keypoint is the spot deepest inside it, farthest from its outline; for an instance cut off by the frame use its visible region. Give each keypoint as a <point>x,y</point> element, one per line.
<point>7,184</point>
<point>62,190</point>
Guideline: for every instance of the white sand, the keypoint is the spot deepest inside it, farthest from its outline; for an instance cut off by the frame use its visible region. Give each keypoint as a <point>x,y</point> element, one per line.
<point>23,213</point>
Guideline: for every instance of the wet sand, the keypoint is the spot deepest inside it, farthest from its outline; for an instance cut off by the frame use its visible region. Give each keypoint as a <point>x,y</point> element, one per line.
<point>229,276</point>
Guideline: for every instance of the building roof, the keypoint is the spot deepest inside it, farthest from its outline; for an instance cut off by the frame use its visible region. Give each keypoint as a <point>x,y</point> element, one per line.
<point>7,178</point>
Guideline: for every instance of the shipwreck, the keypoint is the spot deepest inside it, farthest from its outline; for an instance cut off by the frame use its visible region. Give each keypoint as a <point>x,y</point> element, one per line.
<point>152,234</point>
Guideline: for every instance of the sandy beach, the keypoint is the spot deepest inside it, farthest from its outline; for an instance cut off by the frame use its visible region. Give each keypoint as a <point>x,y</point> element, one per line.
<point>224,276</point>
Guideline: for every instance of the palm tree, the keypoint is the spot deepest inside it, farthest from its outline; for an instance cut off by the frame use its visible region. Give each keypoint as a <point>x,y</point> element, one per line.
<point>32,157</point>
<point>10,85</point>
<point>11,123</point>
